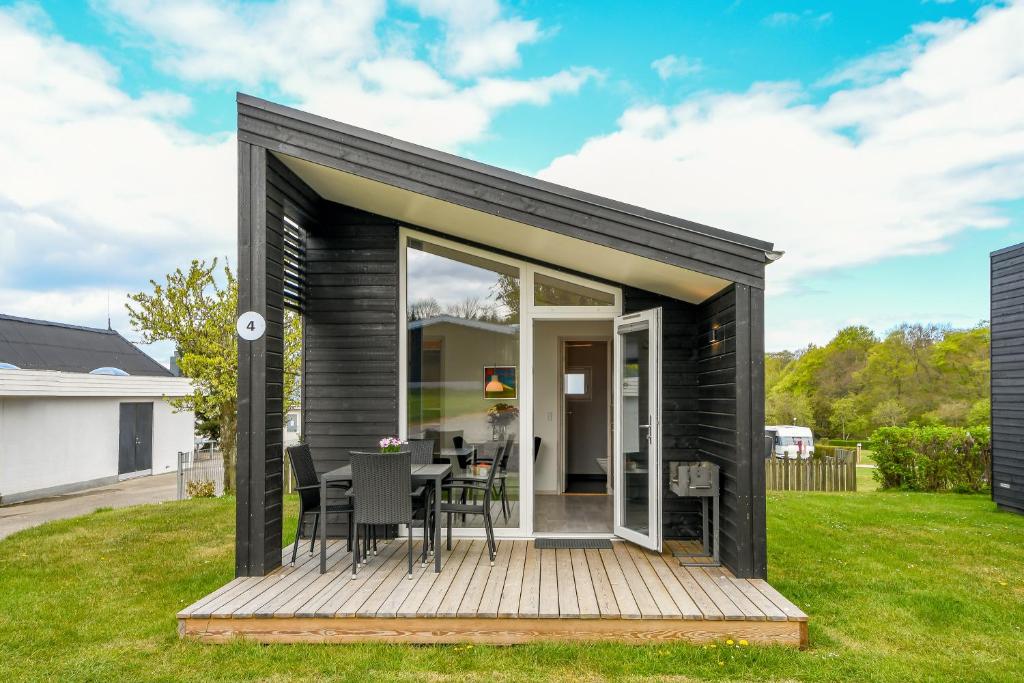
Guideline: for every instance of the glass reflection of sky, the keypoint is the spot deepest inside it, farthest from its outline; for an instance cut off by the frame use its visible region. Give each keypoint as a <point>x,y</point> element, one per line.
<point>447,281</point>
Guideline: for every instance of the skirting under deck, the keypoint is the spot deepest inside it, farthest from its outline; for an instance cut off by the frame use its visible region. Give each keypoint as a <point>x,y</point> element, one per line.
<point>625,594</point>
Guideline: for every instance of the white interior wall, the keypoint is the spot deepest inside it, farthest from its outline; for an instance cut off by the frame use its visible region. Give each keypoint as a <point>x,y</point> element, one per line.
<point>48,442</point>
<point>546,334</point>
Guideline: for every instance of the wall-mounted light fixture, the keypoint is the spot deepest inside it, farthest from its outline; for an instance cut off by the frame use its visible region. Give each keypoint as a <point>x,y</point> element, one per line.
<point>714,334</point>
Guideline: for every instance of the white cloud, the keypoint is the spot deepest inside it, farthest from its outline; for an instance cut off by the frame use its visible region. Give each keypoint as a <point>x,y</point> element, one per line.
<point>876,171</point>
<point>478,39</point>
<point>878,65</point>
<point>101,190</point>
<point>324,56</point>
<point>786,19</point>
<point>96,185</point>
<point>671,66</point>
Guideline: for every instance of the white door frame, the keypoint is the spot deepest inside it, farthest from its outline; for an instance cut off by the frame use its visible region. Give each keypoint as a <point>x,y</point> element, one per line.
<point>561,473</point>
<point>528,313</point>
<point>651,321</point>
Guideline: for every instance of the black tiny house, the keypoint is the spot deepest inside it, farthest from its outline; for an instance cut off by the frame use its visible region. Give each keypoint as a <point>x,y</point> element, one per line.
<point>1007,320</point>
<point>397,255</point>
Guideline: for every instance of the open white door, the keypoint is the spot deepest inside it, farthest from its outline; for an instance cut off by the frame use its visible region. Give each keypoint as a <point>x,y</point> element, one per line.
<point>637,463</point>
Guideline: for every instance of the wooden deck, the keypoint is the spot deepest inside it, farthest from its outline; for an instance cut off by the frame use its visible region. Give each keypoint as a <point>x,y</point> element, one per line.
<point>623,594</point>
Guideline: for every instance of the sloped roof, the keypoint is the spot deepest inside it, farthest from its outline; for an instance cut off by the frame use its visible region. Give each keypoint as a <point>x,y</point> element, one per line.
<point>557,225</point>
<point>43,345</point>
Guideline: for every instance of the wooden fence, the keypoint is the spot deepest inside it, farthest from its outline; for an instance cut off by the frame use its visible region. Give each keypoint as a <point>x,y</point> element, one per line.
<point>838,473</point>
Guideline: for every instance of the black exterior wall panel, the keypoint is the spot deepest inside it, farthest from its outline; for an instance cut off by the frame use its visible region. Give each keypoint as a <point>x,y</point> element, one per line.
<point>351,327</point>
<point>1007,388</point>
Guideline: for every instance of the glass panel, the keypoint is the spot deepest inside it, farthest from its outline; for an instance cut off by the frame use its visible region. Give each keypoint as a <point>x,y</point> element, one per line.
<point>635,421</point>
<point>463,367</point>
<point>575,383</point>
<point>549,291</point>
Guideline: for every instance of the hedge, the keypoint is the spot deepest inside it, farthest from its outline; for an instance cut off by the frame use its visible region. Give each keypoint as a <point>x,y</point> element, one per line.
<point>934,458</point>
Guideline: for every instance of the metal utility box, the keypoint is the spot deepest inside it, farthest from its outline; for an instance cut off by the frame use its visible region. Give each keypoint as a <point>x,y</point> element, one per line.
<point>699,480</point>
<point>690,479</point>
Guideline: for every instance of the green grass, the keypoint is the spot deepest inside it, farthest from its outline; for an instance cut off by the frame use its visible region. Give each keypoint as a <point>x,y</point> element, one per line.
<point>898,586</point>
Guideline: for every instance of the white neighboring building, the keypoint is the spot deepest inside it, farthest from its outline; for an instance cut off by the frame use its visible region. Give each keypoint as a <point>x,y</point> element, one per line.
<point>66,431</point>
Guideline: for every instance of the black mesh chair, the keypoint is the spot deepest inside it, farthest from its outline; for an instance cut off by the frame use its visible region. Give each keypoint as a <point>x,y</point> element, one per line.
<point>423,454</point>
<point>307,484</point>
<point>422,451</point>
<point>383,494</point>
<point>471,484</point>
<point>501,479</point>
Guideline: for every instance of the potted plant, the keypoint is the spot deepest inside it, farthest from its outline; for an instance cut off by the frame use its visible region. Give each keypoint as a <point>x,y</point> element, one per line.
<point>391,444</point>
<point>500,415</point>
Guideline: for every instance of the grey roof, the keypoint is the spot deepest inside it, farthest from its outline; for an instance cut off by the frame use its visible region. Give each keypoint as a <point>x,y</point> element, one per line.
<point>465,322</point>
<point>41,345</point>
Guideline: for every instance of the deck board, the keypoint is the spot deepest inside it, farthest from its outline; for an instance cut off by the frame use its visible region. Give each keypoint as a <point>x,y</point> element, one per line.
<point>623,594</point>
<point>512,590</point>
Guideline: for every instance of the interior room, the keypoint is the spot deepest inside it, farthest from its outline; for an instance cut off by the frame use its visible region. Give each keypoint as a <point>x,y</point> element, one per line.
<point>572,418</point>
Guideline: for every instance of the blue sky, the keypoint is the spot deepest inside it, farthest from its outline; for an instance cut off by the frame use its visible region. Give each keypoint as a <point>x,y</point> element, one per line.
<point>880,144</point>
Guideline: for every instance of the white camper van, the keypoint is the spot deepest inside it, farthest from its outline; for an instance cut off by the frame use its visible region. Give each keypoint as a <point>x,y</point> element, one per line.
<point>789,441</point>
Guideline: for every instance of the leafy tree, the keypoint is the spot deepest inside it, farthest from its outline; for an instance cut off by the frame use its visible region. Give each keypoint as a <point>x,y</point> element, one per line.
<point>889,413</point>
<point>198,313</point>
<point>783,408</point>
<point>980,413</point>
<point>845,413</point>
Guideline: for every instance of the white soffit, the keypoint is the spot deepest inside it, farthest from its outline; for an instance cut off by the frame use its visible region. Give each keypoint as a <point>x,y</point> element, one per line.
<point>507,235</point>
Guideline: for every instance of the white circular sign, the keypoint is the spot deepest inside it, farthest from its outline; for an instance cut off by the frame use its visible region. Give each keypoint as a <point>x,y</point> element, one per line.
<point>251,326</point>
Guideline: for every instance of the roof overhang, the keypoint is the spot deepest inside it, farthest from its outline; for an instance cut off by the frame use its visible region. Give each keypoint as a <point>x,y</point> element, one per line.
<point>510,212</point>
<point>40,383</point>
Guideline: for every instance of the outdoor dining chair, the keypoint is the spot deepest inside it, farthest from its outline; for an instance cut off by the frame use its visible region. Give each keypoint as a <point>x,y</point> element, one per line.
<point>383,495</point>
<point>471,484</point>
<point>307,485</point>
<point>501,479</point>
<point>423,454</point>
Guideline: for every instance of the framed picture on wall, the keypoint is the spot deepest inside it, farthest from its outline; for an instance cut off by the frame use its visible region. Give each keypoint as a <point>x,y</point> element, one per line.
<point>500,381</point>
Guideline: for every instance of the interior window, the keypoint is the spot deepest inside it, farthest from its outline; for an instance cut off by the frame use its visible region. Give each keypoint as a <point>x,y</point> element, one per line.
<point>575,383</point>
<point>550,291</point>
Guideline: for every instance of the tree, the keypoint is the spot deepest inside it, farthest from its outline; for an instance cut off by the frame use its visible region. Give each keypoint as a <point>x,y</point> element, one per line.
<point>844,414</point>
<point>292,360</point>
<point>783,408</point>
<point>198,313</point>
<point>889,413</point>
<point>424,308</point>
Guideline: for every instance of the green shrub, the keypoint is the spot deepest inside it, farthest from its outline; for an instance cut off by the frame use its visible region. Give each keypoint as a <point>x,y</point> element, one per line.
<point>844,443</point>
<point>824,450</point>
<point>932,458</point>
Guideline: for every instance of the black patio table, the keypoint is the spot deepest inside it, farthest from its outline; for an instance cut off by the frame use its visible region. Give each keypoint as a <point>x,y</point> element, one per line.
<point>434,474</point>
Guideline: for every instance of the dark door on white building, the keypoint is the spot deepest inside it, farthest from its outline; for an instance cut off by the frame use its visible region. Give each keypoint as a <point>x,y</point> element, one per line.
<point>135,452</point>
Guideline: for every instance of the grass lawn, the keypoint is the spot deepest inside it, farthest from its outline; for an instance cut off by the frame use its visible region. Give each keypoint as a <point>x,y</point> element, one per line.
<point>898,586</point>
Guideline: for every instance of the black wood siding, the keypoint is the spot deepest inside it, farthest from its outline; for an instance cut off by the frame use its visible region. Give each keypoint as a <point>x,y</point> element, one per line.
<point>1007,317</point>
<point>730,378</point>
<point>351,336</point>
<point>260,420</point>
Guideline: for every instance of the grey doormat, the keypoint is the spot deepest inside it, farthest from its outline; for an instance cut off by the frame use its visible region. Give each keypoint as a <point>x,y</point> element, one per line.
<point>571,543</point>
